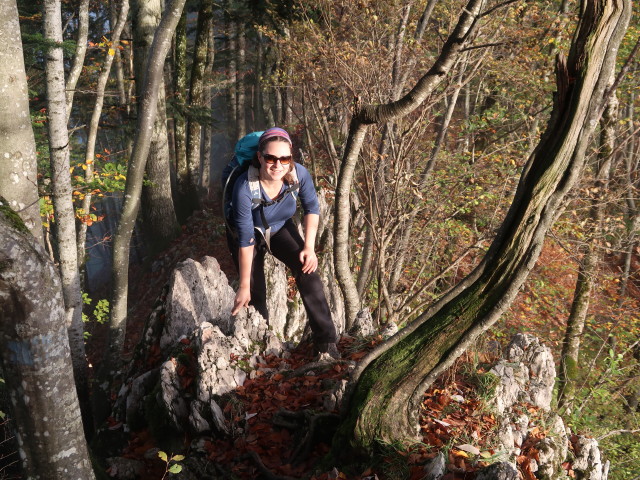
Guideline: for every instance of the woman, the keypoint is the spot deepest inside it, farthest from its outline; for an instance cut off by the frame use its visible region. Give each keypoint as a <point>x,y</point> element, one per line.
<point>269,226</point>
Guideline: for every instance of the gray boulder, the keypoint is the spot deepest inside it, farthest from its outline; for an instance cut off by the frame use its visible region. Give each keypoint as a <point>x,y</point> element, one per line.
<point>527,374</point>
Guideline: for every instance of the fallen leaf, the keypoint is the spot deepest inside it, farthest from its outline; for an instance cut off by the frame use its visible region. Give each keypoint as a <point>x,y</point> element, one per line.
<point>468,448</point>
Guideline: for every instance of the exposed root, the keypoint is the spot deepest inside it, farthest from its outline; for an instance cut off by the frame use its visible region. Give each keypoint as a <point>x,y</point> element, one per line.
<point>310,429</point>
<point>266,473</point>
<point>321,365</point>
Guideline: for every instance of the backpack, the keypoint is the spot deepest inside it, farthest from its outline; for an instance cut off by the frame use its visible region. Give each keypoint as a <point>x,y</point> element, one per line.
<point>244,152</point>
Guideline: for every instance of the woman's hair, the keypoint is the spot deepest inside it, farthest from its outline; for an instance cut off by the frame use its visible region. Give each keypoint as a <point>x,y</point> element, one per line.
<point>274,135</point>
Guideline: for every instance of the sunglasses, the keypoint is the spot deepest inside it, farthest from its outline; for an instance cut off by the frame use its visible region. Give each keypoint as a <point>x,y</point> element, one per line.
<point>272,159</point>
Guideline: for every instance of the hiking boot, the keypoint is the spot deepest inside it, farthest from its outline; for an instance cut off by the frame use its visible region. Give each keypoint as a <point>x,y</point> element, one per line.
<point>329,348</point>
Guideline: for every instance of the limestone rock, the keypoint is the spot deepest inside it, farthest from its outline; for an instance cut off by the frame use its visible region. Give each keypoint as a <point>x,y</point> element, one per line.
<point>552,450</point>
<point>198,292</point>
<point>333,399</point>
<point>275,275</point>
<point>527,374</point>
<point>389,330</point>
<point>436,468</point>
<point>588,464</point>
<point>363,324</point>
<point>171,396</point>
<point>499,471</point>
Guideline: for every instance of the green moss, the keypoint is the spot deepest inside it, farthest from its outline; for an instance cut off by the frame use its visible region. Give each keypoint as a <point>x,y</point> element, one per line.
<point>12,217</point>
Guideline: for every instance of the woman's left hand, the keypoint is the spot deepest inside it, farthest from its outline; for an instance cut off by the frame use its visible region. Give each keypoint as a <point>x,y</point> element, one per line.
<point>309,260</point>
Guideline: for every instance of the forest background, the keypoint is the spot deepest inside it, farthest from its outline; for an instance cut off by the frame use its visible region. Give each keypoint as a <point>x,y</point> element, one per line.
<point>430,188</point>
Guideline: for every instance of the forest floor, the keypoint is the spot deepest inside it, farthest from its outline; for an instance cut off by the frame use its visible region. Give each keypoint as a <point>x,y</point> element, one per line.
<point>454,417</point>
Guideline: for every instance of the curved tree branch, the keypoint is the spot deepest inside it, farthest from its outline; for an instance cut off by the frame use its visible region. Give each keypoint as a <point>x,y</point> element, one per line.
<point>365,115</point>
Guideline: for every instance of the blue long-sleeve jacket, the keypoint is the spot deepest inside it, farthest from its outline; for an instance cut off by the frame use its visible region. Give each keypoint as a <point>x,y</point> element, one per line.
<point>277,214</point>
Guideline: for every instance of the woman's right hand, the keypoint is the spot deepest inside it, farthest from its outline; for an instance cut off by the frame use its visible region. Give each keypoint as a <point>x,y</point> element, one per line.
<point>243,297</point>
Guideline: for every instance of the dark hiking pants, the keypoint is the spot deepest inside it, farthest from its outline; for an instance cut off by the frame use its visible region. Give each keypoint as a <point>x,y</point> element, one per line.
<point>286,245</point>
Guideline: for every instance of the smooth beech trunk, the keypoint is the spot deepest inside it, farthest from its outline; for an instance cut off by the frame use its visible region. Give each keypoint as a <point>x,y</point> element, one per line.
<point>389,384</point>
<point>18,162</point>
<point>159,220</point>
<point>179,120</point>
<point>78,58</point>
<point>94,123</point>
<point>36,360</point>
<point>62,198</point>
<point>135,174</point>
<point>197,98</point>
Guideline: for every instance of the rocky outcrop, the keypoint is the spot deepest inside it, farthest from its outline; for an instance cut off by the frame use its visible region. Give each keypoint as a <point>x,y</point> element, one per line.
<point>198,352</point>
<point>195,352</point>
<point>527,374</point>
<point>539,438</point>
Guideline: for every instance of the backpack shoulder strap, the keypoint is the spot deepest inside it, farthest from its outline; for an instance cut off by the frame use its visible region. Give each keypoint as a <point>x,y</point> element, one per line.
<point>295,186</point>
<point>253,177</point>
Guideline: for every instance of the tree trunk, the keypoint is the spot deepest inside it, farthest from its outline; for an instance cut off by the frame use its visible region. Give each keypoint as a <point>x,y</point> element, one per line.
<point>389,383</point>
<point>94,122</point>
<point>197,100</point>
<point>588,268</point>
<point>241,94</point>
<point>120,83</point>
<point>78,58</point>
<point>207,129</point>
<point>370,114</point>
<point>18,168</point>
<point>232,46</point>
<point>159,221</point>
<point>36,356</point>
<point>135,174</point>
<point>62,200</point>
<point>179,120</point>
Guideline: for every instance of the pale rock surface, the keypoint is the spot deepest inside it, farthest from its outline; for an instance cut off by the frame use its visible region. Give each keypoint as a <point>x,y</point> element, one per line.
<point>198,292</point>
<point>363,325</point>
<point>436,468</point>
<point>527,374</point>
<point>588,463</point>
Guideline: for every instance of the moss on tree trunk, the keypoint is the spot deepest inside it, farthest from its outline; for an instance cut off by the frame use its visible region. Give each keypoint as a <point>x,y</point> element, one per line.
<point>388,386</point>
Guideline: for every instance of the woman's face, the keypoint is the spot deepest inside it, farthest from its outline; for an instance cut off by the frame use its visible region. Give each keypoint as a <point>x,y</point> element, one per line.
<point>274,171</point>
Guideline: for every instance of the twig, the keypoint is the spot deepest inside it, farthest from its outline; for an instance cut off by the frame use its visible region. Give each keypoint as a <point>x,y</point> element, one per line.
<point>617,432</point>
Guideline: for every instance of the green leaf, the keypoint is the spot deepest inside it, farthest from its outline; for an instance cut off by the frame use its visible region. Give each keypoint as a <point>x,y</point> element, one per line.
<point>177,458</point>
<point>162,455</point>
<point>176,468</point>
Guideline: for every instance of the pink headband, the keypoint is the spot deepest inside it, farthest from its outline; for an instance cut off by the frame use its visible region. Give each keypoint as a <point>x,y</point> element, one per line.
<point>273,132</point>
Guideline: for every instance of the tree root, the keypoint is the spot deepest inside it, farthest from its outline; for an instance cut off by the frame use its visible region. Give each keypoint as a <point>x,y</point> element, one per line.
<point>322,365</point>
<point>309,430</point>
<point>266,473</point>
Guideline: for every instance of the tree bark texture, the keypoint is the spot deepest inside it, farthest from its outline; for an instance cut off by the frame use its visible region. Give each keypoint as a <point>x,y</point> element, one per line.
<point>197,99</point>
<point>389,383</point>
<point>207,129</point>
<point>94,123</point>
<point>159,221</point>
<point>78,58</point>
<point>119,70</point>
<point>135,174</point>
<point>241,87</point>
<point>62,198</point>
<point>179,120</point>
<point>36,359</point>
<point>365,115</point>
<point>18,162</point>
